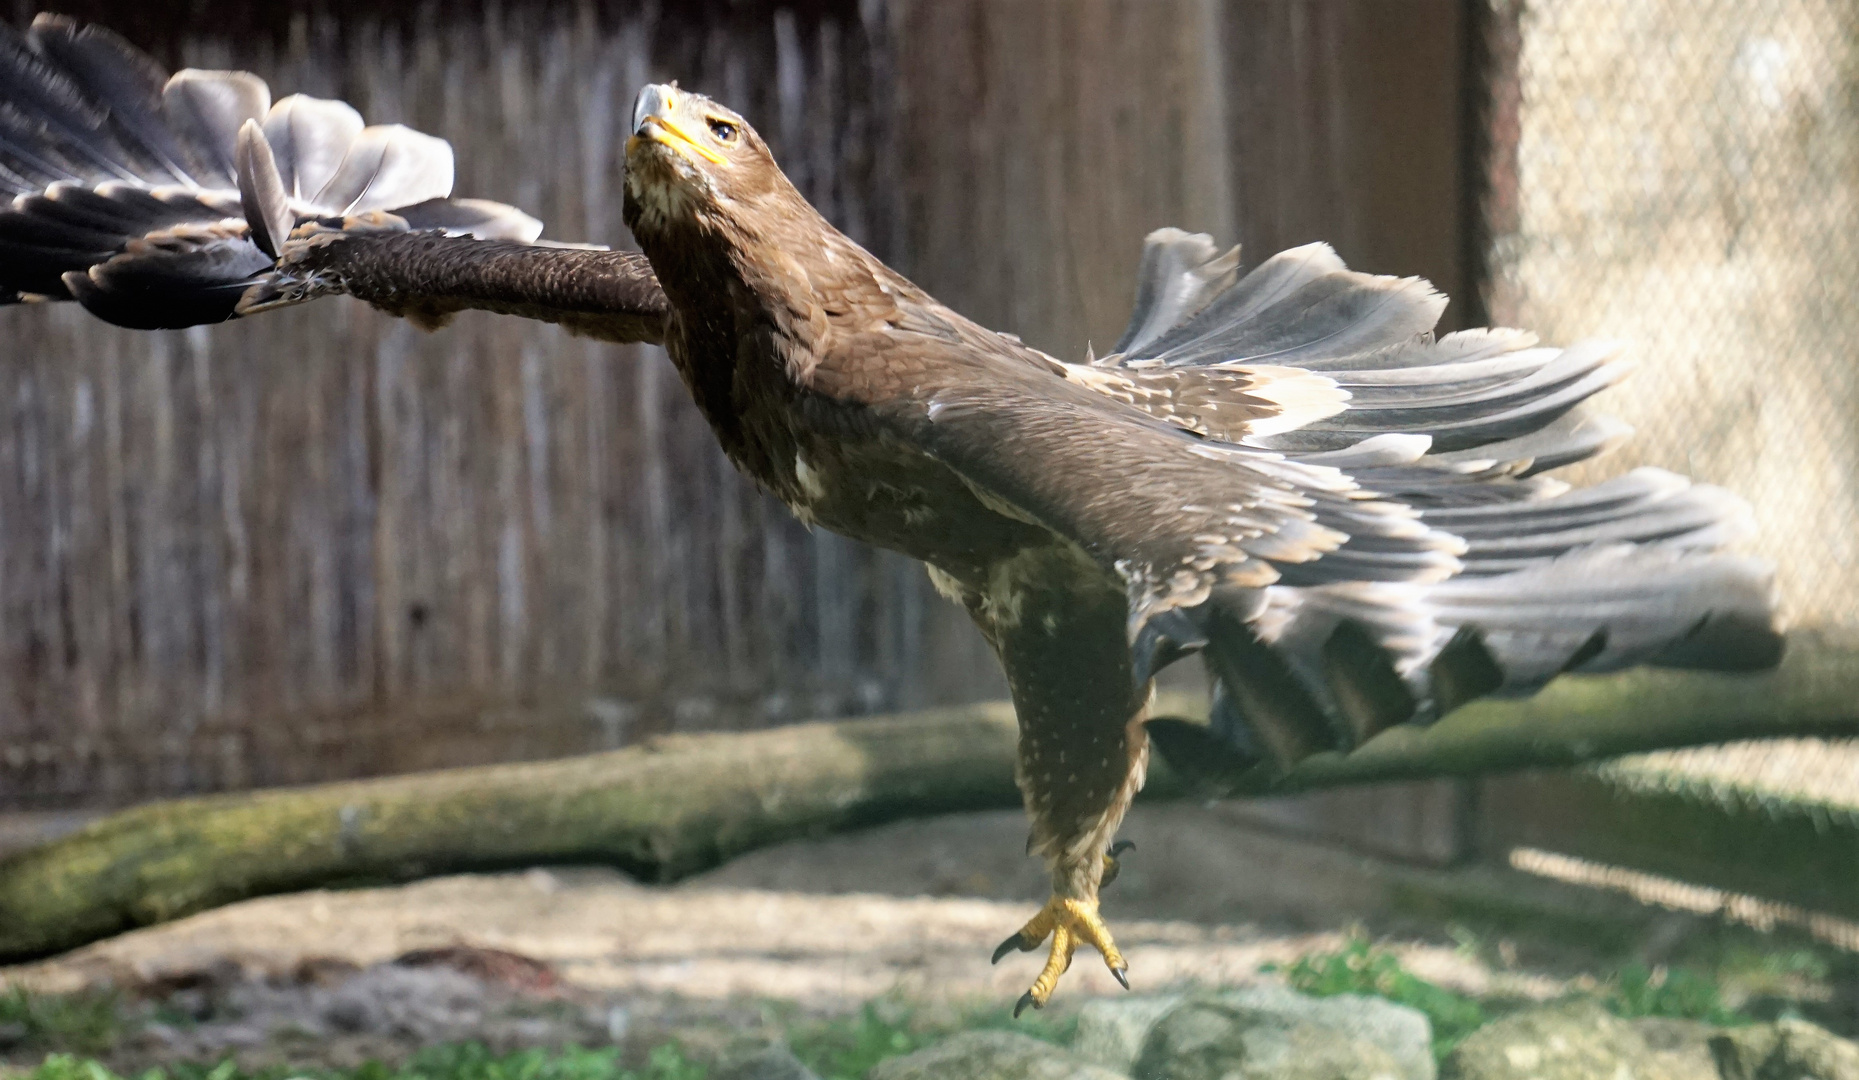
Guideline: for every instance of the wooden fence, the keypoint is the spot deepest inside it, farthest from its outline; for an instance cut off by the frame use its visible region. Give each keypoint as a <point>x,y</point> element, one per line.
<point>323,544</point>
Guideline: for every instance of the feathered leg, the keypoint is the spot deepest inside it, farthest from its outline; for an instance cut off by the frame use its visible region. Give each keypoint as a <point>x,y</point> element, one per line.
<point>1082,752</point>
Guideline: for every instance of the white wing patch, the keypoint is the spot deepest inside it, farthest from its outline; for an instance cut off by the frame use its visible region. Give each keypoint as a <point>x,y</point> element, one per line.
<point>1225,402</point>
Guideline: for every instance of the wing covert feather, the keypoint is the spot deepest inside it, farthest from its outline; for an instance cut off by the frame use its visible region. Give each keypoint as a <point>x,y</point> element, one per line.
<point>1175,514</point>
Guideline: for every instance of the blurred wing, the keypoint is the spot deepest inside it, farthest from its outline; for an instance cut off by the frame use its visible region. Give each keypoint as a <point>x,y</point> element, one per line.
<point>160,201</point>
<point>1456,430</point>
<point>1344,513</point>
<point>1356,356</point>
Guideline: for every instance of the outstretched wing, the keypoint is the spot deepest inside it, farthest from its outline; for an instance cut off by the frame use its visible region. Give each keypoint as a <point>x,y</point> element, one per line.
<point>162,201</point>
<point>1291,473</point>
<point>1458,428</point>
<point>1176,515</point>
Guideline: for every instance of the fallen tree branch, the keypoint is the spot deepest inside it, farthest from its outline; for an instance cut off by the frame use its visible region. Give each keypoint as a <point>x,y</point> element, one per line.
<point>1578,719</point>
<point>681,804</point>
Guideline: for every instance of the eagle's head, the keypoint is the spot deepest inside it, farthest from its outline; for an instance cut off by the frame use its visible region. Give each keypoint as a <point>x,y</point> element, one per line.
<point>692,162</point>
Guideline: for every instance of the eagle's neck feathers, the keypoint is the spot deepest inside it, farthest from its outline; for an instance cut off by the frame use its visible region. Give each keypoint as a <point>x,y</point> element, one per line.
<point>761,287</point>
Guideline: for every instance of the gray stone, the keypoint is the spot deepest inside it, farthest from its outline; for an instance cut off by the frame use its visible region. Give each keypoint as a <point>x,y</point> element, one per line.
<point>1684,1046</point>
<point>1206,1038</point>
<point>1571,1041</point>
<point>1406,1034</point>
<point>1784,1050</point>
<point>991,1055</point>
<point>768,1063</point>
<point>1112,1031</point>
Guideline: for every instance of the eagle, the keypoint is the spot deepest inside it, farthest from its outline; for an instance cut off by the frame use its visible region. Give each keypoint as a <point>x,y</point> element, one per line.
<point>1285,470</point>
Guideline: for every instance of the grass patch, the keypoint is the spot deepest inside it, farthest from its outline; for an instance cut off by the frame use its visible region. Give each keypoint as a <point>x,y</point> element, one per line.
<point>86,1023</point>
<point>1632,991</point>
<point>1637,990</point>
<point>1360,967</point>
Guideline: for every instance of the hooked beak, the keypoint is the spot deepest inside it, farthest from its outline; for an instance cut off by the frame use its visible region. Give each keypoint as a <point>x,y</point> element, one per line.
<point>652,120</point>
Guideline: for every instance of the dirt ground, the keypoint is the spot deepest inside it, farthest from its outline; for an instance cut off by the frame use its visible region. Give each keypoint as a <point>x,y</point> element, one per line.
<point>908,911</point>
<point>914,907</point>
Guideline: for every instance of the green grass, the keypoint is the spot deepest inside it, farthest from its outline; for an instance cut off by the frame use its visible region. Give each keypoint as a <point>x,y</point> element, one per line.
<point>844,1048</point>
<point>1633,991</point>
<point>1360,967</point>
<point>1636,990</point>
<point>86,1023</point>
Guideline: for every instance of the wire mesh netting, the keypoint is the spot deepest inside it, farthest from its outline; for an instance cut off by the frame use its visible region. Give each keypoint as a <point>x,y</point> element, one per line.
<point>1684,179</point>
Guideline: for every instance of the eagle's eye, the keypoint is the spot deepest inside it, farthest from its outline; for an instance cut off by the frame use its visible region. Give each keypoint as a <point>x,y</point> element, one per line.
<point>723,130</point>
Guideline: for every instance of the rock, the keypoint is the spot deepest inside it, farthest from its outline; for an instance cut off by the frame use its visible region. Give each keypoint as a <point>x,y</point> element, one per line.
<point>991,1055</point>
<point>1683,1046</point>
<point>1570,1041</point>
<point>12,1034</point>
<point>1207,1038</point>
<point>1784,1050</point>
<point>768,1063</point>
<point>426,1004</point>
<point>1406,1034</point>
<point>1113,1031</point>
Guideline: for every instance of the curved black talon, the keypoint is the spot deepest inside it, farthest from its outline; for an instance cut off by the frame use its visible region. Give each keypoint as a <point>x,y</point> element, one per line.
<point>1025,1000</point>
<point>1111,866</point>
<point>1121,977</point>
<point>1013,942</point>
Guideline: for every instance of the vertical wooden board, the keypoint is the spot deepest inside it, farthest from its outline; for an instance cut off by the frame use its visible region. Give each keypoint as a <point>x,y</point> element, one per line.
<point>1347,126</point>
<point>323,544</point>
<point>1041,141</point>
<point>410,530</point>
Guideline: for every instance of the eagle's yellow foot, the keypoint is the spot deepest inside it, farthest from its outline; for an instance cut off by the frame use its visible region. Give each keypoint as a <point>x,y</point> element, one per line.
<point>1070,923</point>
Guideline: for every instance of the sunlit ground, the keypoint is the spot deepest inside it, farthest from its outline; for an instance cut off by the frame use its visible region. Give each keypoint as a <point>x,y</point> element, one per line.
<point>854,947</point>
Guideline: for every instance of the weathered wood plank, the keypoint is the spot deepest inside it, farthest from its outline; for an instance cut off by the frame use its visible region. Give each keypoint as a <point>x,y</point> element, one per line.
<point>323,544</point>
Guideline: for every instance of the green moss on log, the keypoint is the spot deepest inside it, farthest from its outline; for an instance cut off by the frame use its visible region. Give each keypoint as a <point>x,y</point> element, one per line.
<point>681,804</point>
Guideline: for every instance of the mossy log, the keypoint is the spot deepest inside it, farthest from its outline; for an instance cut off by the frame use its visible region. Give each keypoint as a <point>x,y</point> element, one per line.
<point>680,804</point>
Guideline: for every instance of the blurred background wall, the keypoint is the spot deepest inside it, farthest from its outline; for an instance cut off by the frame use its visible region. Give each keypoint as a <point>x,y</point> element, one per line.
<point>323,544</point>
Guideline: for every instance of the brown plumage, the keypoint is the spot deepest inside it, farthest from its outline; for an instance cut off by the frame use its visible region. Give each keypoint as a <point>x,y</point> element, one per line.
<point>1284,470</point>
